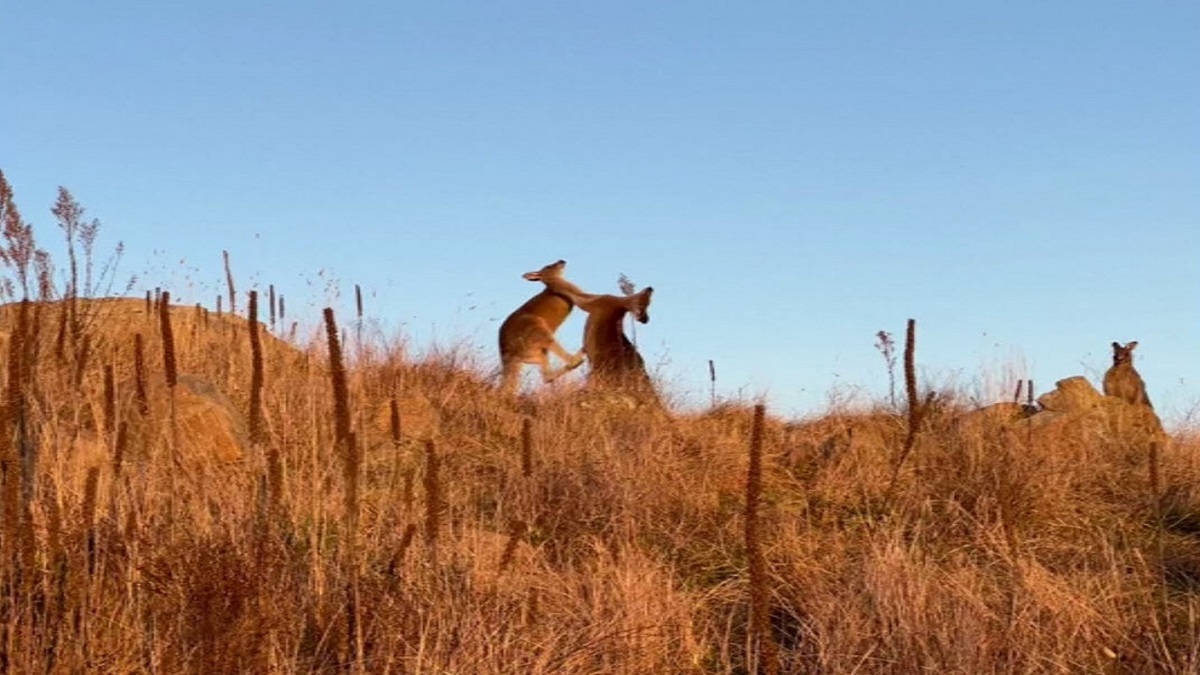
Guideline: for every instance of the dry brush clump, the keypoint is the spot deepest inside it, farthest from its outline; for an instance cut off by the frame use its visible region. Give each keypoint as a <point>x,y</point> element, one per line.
<point>1009,548</point>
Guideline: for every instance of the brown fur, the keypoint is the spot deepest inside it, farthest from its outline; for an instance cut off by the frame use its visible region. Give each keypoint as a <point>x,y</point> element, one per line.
<point>1122,380</point>
<point>527,335</point>
<point>615,362</point>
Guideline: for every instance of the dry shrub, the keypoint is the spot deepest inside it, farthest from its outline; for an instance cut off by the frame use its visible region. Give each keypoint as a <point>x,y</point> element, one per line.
<point>610,541</point>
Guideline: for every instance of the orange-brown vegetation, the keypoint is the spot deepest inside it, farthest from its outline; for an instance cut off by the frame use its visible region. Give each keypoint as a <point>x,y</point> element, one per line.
<point>456,529</point>
<point>596,541</point>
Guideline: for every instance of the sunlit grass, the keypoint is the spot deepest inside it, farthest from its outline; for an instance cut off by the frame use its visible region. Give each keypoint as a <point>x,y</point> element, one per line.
<point>573,532</point>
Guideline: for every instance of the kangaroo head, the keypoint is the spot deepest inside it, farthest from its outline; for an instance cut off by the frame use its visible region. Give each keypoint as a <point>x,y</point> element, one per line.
<point>552,271</point>
<point>639,304</point>
<point>1123,354</point>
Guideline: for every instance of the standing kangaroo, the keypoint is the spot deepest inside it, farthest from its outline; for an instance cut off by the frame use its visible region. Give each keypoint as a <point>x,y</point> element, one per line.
<point>613,358</point>
<point>527,335</point>
<point>1122,380</point>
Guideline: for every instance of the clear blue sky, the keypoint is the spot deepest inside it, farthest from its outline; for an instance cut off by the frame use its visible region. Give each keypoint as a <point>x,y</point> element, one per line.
<point>1023,178</point>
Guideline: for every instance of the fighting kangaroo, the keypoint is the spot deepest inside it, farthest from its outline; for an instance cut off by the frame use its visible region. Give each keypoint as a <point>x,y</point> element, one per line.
<point>613,358</point>
<point>527,335</point>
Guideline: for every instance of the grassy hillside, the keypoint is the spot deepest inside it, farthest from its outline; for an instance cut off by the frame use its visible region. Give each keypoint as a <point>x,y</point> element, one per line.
<point>157,528</point>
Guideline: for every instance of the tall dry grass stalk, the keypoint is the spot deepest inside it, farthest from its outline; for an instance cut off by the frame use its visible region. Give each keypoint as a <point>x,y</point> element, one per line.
<point>433,500</point>
<point>257,432</point>
<point>229,283</point>
<point>354,628</point>
<point>712,383</point>
<point>527,447</point>
<point>110,401</point>
<point>170,368</point>
<point>91,486</point>
<point>132,595</point>
<point>761,642</point>
<point>517,530</point>
<point>275,482</point>
<point>18,464</point>
<point>348,448</point>
<point>887,348</point>
<point>140,395</point>
<point>407,535</point>
<point>394,430</point>
<point>55,580</point>
<point>914,403</point>
<point>397,459</point>
<point>358,316</point>
<point>408,492</point>
<point>18,427</point>
<point>343,435</point>
<point>120,448</point>
<point>60,338</point>
<point>114,433</point>
<point>10,598</point>
<point>171,373</point>
<point>257,424</point>
<point>83,351</point>
<point>337,374</point>
<point>910,384</point>
<point>352,469</point>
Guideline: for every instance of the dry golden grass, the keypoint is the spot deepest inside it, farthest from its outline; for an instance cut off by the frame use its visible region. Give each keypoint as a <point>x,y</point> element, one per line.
<point>599,538</point>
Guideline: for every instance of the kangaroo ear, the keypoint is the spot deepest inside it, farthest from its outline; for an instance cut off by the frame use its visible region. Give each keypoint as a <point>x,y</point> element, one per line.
<point>1116,346</point>
<point>1129,347</point>
<point>534,276</point>
<point>648,290</point>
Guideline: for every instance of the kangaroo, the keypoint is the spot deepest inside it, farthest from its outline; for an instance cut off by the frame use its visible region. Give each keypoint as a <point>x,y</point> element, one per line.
<point>527,335</point>
<point>1122,380</point>
<point>613,358</point>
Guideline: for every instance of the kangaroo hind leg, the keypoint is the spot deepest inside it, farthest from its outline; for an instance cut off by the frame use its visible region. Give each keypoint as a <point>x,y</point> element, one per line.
<point>511,375</point>
<point>571,362</point>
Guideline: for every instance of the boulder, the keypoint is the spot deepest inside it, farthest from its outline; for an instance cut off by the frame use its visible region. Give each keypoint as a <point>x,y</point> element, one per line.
<point>1072,395</point>
<point>1077,408</point>
<point>1074,410</point>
